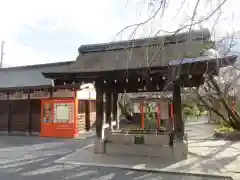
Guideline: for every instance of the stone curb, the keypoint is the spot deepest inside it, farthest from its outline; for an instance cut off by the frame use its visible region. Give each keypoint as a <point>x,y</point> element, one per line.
<point>5,133</point>
<point>15,134</point>
<point>190,173</point>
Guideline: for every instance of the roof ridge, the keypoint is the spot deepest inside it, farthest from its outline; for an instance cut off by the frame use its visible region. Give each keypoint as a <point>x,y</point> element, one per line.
<point>196,34</point>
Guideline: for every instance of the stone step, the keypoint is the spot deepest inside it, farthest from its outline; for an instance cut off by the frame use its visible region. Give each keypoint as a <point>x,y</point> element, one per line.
<point>178,151</point>
<point>149,139</point>
<point>138,149</point>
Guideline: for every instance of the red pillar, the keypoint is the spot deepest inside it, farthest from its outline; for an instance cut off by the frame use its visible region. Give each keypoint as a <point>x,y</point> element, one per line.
<point>158,119</point>
<point>234,106</point>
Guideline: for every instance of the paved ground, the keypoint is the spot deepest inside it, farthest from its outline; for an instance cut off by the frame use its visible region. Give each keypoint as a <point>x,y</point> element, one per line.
<point>206,156</point>
<point>23,157</point>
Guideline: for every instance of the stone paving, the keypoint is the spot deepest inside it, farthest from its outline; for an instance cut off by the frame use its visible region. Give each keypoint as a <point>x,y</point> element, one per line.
<point>27,158</point>
<point>213,154</point>
<point>206,156</point>
<point>36,158</point>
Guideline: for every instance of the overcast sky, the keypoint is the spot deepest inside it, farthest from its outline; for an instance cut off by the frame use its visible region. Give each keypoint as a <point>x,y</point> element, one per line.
<point>41,31</point>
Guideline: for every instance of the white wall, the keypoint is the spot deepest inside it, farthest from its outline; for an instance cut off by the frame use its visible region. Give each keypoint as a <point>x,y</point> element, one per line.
<point>87,94</point>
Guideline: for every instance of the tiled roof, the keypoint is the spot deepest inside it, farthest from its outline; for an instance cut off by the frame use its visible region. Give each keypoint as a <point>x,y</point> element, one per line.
<point>28,76</point>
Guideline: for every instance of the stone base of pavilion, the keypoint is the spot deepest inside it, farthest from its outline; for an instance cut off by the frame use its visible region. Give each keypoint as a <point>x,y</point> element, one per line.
<point>156,146</point>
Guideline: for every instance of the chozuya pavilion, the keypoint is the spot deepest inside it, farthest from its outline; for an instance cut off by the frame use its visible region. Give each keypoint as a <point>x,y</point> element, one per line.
<point>166,63</point>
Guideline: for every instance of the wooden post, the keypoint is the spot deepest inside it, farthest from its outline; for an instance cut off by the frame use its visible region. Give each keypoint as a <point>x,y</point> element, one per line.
<point>29,115</point>
<point>109,109</point>
<point>104,108</point>
<point>171,114</point>
<point>87,115</point>
<point>177,109</point>
<point>142,114</point>
<point>99,112</point>
<point>90,110</point>
<point>115,109</point>
<point>9,114</point>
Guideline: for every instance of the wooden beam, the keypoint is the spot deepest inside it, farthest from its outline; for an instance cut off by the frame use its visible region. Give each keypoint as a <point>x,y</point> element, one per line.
<point>153,83</point>
<point>99,111</point>
<point>177,109</point>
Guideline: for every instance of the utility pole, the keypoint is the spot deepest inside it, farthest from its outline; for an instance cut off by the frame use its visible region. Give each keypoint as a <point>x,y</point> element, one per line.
<point>2,53</point>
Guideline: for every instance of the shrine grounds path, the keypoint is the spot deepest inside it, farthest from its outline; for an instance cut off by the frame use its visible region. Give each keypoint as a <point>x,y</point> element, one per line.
<point>32,157</point>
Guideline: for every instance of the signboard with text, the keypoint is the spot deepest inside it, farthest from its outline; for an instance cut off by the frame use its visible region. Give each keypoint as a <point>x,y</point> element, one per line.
<point>18,96</point>
<point>3,96</point>
<point>63,94</point>
<point>40,95</point>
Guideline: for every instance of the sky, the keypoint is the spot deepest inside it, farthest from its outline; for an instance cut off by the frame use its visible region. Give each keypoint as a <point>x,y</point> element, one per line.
<point>44,31</point>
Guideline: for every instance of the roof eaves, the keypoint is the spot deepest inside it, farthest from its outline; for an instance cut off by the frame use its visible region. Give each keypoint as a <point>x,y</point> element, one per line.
<point>36,66</point>
<point>25,88</point>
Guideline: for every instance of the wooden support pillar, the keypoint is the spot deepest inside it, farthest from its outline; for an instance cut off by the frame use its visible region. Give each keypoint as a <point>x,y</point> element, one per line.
<point>142,108</point>
<point>9,114</point>
<point>177,109</point>
<point>115,109</point>
<point>29,115</point>
<point>87,115</point>
<point>99,112</point>
<point>158,116</point>
<point>109,109</point>
<point>171,115</point>
<point>104,108</point>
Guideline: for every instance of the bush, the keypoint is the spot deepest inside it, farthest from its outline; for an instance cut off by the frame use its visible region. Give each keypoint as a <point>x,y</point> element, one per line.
<point>227,133</point>
<point>223,129</point>
<point>188,112</point>
<point>193,112</point>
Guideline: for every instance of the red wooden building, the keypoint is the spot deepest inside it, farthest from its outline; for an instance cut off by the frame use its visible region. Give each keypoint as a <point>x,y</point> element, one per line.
<point>30,104</point>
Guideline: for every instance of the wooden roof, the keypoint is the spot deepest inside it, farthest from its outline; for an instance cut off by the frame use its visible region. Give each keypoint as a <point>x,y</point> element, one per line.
<point>25,77</point>
<point>139,53</point>
<point>194,66</point>
<point>191,75</point>
<point>135,63</point>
